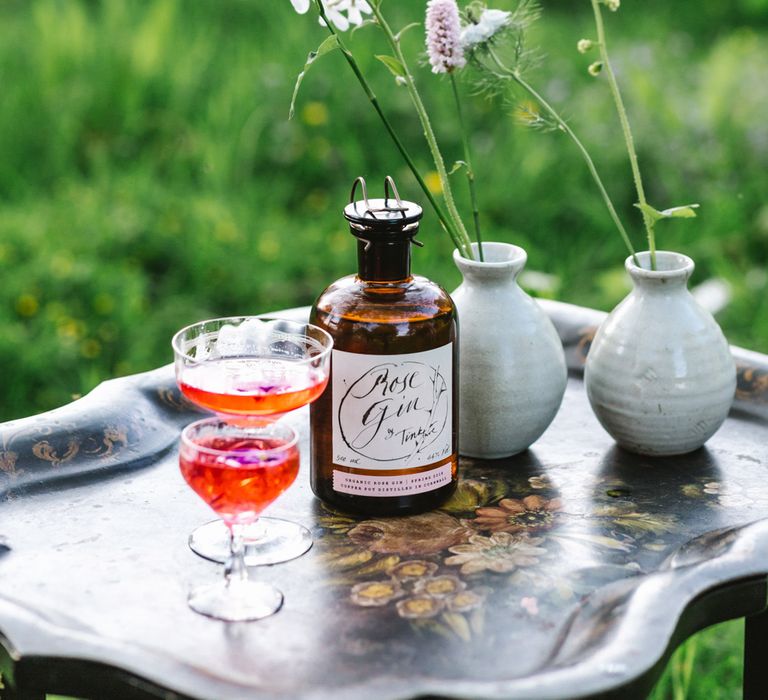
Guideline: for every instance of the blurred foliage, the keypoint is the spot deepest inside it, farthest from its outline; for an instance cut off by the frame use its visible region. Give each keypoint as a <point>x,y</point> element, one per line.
<point>708,666</point>
<point>149,176</point>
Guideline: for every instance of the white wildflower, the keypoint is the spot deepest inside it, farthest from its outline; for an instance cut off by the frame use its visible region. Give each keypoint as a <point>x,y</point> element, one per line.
<point>584,45</point>
<point>335,9</point>
<point>444,36</point>
<point>613,5</point>
<point>490,22</point>
<point>355,10</point>
<point>596,68</point>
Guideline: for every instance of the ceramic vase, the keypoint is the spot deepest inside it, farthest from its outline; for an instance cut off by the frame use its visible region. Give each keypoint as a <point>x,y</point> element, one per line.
<point>512,371</point>
<point>659,375</point>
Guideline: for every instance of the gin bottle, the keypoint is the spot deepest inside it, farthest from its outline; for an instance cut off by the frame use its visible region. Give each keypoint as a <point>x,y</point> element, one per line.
<point>384,432</point>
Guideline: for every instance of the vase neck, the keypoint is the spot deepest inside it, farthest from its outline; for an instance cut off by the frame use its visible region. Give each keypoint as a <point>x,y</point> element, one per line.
<point>672,271</point>
<point>503,262</point>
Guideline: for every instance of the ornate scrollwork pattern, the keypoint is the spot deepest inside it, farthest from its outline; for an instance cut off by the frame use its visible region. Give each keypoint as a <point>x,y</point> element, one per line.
<point>8,460</point>
<point>45,451</point>
<point>752,383</point>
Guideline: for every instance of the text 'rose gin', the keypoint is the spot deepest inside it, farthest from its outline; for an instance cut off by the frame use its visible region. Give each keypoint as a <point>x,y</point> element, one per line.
<point>384,432</point>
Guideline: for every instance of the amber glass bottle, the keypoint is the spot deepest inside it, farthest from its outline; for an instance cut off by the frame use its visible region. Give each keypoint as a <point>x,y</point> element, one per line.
<point>384,432</point>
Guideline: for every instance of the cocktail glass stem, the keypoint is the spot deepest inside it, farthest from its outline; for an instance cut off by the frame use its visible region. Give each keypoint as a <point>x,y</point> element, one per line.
<point>267,541</point>
<point>236,598</point>
<point>235,569</point>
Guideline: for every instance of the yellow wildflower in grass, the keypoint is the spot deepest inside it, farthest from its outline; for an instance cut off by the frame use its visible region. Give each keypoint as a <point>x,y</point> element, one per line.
<point>316,200</point>
<point>90,348</point>
<point>268,247</point>
<point>27,305</point>
<point>70,329</point>
<point>226,231</point>
<point>315,114</point>
<point>432,180</point>
<point>103,303</point>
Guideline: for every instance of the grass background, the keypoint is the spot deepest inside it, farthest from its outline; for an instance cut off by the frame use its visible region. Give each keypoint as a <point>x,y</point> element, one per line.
<point>149,177</point>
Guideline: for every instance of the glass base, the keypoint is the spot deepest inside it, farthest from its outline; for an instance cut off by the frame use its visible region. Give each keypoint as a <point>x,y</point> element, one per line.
<point>267,541</point>
<point>239,601</point>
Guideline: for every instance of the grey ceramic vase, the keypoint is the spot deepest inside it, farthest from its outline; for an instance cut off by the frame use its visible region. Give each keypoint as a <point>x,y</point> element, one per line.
<point>659,375</point>
<point>512,371</point>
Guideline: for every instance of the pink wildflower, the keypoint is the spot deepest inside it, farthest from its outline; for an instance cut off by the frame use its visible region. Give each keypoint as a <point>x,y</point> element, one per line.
<point>444,36</point>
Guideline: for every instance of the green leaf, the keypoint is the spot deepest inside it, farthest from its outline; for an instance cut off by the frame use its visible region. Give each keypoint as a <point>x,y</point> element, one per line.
<point>649,212</point>
<point>684,212</point>
<point>399,35</point>
<point>458,165</point>
<point>365,23</point>
<point>330,44</point>
<point>395,67</point>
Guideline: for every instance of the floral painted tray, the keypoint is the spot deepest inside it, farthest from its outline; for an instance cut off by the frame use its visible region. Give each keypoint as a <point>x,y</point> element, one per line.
<point>571,570</point>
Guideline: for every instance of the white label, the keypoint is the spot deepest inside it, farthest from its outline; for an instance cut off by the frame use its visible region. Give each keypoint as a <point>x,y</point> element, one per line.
<point>403,485</point>
<point>392,411</point>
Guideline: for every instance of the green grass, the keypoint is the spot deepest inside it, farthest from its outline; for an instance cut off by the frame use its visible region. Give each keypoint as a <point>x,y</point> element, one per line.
<point>149,176</point>
<point>708,666</point>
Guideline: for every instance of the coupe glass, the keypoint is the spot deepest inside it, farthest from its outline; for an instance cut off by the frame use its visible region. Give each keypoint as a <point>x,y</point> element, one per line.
<point>238,466</point>
<point>250,366</point>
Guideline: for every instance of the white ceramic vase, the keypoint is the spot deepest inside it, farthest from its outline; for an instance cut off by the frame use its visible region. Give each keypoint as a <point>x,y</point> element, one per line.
<point>512,371</point>
<point>659,375</point>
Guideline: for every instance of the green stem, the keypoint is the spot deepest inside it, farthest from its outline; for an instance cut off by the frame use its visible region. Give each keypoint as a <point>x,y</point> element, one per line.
<point>563,125</point>
<point>468,163</point>
<point>444,220</point>
<point>625,129</point>
<point>461,238</point>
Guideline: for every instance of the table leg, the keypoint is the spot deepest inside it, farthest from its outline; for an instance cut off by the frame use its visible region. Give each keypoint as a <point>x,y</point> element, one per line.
<point>755,655</point>
<point>8,689</point>
<point>9,693</point>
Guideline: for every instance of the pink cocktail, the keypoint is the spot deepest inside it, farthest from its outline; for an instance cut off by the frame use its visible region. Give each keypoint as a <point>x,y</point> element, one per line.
<point>238,466</point>
<point>243,386</point>
<point>255,471</point>
<point>248,366</point>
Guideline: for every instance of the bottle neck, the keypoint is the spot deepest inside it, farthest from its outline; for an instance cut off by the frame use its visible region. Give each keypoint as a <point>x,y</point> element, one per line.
<point>384,261</point>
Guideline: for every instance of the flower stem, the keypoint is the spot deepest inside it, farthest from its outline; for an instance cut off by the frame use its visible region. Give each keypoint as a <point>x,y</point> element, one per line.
<point>468,164</point>
<point>622,112</point>
<point>563,125</point>
<point>461,237</point>
<point>446,223</point>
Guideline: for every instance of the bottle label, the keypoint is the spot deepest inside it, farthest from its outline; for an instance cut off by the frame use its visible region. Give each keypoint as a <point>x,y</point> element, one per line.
<point>357,484</point>
<point>392,413</point>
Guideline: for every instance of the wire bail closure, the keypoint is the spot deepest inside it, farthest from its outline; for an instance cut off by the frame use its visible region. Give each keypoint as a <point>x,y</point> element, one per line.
<point>371,210</point>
